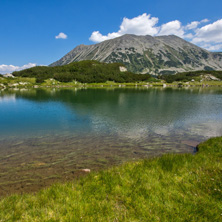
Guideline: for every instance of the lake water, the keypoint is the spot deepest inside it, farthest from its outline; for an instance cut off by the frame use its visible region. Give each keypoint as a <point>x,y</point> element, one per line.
<point>51,135</point>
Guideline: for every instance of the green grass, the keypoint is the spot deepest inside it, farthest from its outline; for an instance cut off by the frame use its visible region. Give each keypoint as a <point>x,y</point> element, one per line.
<point>20,82</point>
<point>25,82</point>
<point>174,187</point>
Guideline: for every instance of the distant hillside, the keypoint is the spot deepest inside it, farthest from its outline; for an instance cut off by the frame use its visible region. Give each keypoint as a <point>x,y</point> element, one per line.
<point>147,54</point>
<point>197,75</point>
<point>84,71</point>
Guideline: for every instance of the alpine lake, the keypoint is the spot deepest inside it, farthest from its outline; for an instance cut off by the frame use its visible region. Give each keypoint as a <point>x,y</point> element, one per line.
<point>52,135</point>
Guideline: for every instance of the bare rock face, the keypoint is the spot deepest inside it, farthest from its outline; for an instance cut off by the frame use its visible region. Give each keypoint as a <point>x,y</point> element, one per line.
<point>122,69</point>
<point>147,54</point>
<point>209,77</point>
<point>8,75</point>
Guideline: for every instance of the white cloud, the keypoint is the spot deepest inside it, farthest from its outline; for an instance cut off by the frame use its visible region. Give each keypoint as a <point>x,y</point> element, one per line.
<point>98,37</point>
<point>141,25</point>
<point>188,36</point>
<point>212,47</point>
<point>195,24</point>
<point>61,35</point>
<point>172,28</point>
<point>211,33</point>
<point>11,68</point>
<point>192,25</point>
<point>204,21</point>
<point>144,24</point>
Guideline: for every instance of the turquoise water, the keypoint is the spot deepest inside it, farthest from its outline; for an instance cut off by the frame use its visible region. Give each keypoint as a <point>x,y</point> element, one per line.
<point>132,113</point>
<point>51,135</point>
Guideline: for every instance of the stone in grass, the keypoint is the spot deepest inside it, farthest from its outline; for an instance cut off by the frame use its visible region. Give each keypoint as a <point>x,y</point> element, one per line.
<point>86,170</point>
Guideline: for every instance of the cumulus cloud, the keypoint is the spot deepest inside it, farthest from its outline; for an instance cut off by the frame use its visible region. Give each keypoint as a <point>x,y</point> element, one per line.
<point>172,28</point>
<point>196,31</point>
<point>61,35</point>
<point>98,37</point>
<point>209,33</point>
<point>141,25</point>
<point>192,25</point>
<point>195,24</point>
<point>11,68</point>
<point>212,47</point>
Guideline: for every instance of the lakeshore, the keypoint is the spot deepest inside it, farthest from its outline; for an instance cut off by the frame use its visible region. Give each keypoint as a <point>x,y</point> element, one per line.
<point>29,83</point>
<point>95,74</point>
<point>173,187</point>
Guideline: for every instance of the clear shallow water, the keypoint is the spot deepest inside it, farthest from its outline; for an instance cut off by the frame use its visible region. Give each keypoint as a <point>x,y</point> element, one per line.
<point>50,135</point>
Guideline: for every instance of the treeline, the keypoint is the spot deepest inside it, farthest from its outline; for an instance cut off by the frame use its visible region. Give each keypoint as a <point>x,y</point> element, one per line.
<point>84,72</point>
<point>188,76</point>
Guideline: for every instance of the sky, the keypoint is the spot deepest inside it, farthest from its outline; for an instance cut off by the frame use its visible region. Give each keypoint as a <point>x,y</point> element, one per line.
<point>39,32</point>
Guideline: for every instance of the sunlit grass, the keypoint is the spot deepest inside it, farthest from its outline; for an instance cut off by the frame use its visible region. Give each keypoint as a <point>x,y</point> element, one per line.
<point>25,82</point>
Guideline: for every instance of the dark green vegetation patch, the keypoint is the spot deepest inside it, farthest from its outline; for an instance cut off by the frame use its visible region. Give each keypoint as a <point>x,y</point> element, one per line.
<point>84,72</point>
<point>188,76</point>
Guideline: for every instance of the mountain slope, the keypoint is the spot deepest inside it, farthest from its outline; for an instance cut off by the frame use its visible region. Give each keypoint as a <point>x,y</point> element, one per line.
<point>147,54</point>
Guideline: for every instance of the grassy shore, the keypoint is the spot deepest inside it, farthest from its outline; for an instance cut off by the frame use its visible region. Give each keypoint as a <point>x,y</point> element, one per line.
<point>27,83</point>
<point>173,187</point>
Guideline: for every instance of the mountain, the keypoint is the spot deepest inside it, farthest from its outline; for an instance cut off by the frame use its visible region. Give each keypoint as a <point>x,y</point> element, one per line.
<point>147,54</point>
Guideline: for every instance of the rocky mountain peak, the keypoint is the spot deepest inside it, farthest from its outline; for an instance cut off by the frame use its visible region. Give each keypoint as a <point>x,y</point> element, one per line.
<point>147,54</point>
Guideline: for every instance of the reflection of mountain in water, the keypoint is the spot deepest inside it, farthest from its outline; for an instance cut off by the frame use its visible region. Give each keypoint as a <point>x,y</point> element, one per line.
<point>133,112</point>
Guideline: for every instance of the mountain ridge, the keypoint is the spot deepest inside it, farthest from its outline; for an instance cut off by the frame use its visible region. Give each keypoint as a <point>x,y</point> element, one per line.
<point>147,54</point>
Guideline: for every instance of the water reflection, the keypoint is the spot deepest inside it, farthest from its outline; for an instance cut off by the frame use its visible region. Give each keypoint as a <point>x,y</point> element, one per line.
<point>7,98</point>
<point>131,113</point>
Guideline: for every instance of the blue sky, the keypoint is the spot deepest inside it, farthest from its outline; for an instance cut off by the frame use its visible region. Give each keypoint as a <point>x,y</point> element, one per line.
<point>29,27</point>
